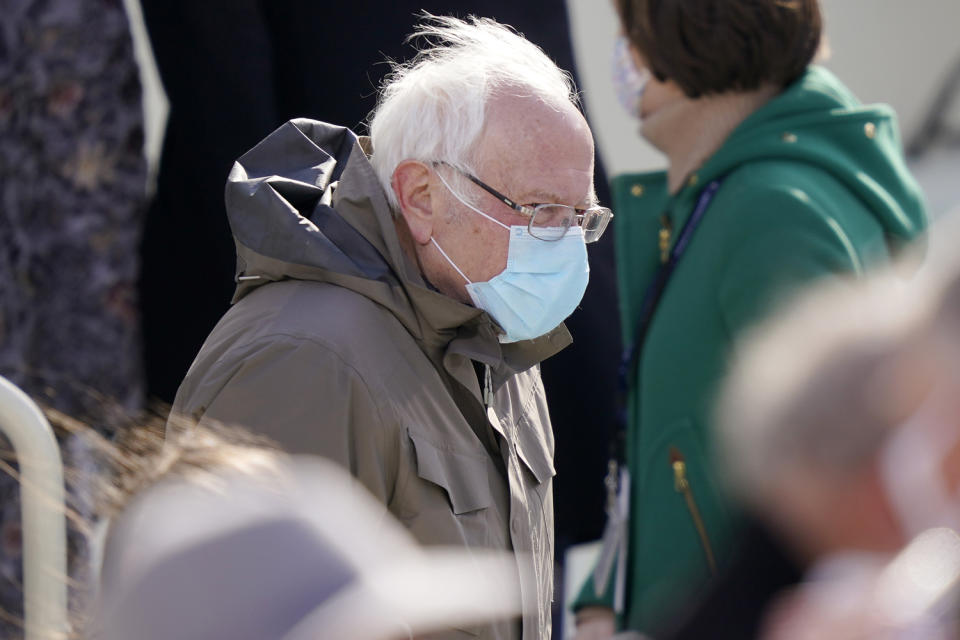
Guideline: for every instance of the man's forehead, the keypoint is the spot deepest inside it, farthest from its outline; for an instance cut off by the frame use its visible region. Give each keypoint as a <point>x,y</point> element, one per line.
<point>538,151</point>
<point>573,188</point>
<point>555,180</point>
<point>521,118</point>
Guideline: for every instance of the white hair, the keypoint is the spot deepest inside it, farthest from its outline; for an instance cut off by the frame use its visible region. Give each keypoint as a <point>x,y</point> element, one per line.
<point>433,108</point>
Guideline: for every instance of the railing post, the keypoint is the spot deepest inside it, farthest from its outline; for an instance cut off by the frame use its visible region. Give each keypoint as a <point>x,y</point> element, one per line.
<point>43,514</point>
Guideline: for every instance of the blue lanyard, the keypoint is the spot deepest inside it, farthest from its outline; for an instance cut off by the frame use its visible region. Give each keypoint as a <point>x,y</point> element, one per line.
<point>687,232</point>
<point>631,354</point>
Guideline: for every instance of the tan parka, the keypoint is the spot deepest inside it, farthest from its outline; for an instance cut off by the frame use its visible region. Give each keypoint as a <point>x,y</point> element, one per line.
<point>336,346</point>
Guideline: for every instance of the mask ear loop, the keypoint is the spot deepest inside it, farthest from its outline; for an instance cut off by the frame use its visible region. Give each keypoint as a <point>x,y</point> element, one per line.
<point>468,205</point>
<point>452,263</point>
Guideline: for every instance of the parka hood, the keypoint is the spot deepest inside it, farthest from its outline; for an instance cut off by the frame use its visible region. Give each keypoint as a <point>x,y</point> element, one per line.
<point>816,120</point>
<point>306,204</point>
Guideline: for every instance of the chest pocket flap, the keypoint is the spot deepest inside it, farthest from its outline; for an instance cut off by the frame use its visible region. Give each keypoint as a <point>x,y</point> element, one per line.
<point>462,476</point>
<point>534,451</point>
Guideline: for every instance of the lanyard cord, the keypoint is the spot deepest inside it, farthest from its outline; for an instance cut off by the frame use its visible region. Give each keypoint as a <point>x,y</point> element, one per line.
<point>615,545</point>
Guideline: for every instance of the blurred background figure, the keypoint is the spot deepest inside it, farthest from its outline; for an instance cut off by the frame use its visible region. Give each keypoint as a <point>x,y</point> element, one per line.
<point>72,192</point>
<point>859,33</point>
<point>777,176</point>
<point>216,537</point>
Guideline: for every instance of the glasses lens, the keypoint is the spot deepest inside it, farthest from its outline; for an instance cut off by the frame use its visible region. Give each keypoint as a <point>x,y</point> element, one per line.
<point>595,222</point>
<point>550,222</point>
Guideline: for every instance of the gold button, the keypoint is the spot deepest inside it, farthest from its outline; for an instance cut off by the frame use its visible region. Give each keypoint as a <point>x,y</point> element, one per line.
<point>870,130</point>
<point>637,190</point>
<point>694,179</point>
<point>789,137</point>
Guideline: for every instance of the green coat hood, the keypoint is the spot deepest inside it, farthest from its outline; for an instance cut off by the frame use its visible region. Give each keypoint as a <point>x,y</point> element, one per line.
<point>818,121</point>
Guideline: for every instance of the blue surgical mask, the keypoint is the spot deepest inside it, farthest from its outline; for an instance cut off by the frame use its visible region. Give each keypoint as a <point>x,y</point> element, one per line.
<point>542,284</point>
<point>628,81</point>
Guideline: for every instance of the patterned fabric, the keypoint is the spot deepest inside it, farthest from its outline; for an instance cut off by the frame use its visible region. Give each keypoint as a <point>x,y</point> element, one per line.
<point>73,180</point>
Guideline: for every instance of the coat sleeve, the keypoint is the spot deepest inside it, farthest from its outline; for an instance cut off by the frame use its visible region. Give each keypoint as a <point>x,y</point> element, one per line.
<point>305,397</point>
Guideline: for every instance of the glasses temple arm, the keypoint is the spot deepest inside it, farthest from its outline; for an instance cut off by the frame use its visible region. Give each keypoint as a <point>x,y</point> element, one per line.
<point>496,194</point>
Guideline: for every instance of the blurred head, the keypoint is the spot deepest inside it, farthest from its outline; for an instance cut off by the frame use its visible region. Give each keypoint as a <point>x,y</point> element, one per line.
<point>921,460</point>
<point>478,101</point>
<point>805,431</point>
<point>220,539</point>
<point>703,47</point>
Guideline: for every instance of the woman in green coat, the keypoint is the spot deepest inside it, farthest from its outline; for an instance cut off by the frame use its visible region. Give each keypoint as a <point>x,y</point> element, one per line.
<point>777,176</point>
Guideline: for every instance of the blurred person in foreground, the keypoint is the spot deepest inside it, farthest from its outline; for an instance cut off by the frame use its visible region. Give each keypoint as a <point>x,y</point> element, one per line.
<point>396,294</point>
<point>215,537</point>
<point>848,453</point>
<point>777,176</point>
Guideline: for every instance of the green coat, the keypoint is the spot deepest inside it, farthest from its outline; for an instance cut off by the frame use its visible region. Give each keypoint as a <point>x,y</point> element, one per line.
<point>814,183</point>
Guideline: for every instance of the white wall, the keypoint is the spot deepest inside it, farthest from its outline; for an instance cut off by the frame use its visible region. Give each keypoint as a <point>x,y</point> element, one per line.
<point>894,51</point>
<point>593,25</point>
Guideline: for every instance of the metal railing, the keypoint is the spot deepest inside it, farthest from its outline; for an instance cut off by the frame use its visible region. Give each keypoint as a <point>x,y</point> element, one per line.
<point>43,514</point>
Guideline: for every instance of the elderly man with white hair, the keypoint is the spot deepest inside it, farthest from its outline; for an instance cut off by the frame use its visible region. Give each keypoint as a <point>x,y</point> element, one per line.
<point>396,294</point>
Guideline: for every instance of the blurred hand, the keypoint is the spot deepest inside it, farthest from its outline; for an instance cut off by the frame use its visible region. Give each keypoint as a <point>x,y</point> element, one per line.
<point>595,623</point>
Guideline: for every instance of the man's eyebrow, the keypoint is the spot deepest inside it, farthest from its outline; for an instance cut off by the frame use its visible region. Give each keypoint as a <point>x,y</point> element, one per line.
<point>541,197</point>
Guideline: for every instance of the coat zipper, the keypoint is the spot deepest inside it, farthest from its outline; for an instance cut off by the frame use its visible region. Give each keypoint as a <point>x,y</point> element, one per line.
<point>682,485</point>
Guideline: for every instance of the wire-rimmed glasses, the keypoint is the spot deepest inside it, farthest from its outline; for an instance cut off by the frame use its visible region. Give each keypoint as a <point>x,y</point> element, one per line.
<point>550,222</point>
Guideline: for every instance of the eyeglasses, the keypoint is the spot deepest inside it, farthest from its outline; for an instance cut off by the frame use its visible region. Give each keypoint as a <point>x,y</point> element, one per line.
<point>550,222</point>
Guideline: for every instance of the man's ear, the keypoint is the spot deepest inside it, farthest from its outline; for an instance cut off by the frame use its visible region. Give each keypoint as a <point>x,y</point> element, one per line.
<point>412,185</point>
